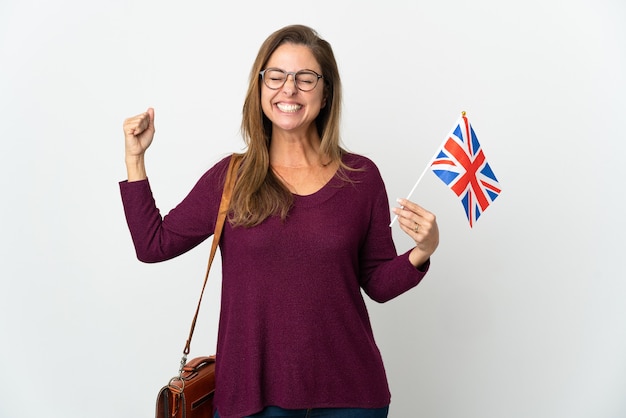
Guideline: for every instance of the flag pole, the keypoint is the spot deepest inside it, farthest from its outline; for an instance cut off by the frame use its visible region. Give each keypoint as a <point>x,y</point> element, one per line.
<point>417,182</point>
<point>421,176</point>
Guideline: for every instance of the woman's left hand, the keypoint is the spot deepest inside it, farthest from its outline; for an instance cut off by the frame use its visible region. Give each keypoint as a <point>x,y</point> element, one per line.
<point>421,226</point>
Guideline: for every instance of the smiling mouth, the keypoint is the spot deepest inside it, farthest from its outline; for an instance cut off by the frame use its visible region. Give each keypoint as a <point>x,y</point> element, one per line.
<point>288,108</point>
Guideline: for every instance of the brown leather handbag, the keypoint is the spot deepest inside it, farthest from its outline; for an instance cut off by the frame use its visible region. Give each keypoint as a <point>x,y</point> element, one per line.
<point>190,394</point>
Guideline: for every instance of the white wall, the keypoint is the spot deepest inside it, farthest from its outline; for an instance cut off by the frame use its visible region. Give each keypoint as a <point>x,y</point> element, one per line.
<point>523,316</point>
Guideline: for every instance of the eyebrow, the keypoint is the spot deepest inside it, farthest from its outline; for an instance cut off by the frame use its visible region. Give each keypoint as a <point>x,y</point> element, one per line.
<point>304,69</point>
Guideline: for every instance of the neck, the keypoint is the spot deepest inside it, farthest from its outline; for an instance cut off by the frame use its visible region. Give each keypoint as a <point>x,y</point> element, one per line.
<point>296,151</point>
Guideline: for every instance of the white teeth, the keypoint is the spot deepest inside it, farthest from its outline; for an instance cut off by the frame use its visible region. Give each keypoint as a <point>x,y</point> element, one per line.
<point>289,107</point>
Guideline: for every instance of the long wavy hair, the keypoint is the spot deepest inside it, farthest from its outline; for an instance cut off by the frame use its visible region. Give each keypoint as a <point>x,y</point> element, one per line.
<point>258,193</point>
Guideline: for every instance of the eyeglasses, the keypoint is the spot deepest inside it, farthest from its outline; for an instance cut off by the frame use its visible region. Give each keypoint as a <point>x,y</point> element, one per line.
<point>304,80</point>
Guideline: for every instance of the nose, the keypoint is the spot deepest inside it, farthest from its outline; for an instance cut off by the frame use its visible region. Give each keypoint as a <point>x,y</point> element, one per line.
<point>290,87</point>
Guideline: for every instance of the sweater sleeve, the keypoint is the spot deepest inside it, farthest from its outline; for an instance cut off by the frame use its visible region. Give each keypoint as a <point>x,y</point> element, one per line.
<point>384,274</point>
<point>158,238</point>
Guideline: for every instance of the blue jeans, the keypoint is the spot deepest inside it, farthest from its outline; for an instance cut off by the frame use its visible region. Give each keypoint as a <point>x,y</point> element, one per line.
<point>274,411</point>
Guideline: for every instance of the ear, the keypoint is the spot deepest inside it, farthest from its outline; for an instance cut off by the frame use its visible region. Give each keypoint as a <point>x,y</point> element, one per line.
<point>323,102</point>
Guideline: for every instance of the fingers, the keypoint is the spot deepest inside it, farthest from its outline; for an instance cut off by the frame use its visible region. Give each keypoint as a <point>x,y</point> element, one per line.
<point>150,113</point>
<point>139,133</point>
<point>417,222</point>
<point>136,125</point>
<point>413,217</point>
<point>421,226</point>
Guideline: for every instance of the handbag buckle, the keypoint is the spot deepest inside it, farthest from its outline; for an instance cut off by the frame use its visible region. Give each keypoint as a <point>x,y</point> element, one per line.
<point>178,389</point>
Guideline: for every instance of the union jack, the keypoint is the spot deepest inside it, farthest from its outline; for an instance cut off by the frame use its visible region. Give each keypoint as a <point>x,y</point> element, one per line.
<point>461,164</point>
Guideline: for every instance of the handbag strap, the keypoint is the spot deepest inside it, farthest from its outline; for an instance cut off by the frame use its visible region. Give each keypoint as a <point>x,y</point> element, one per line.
<point>229,185</point>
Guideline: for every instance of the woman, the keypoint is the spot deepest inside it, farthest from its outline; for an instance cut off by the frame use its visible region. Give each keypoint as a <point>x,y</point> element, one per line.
<point>308,228</point>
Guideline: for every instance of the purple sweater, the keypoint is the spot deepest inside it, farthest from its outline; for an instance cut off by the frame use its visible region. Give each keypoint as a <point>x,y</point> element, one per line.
<point>294,329</point>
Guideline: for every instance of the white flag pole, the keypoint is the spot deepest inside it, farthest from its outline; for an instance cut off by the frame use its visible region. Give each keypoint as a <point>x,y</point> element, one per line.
<point>417,182</point>
<point>426,169</point>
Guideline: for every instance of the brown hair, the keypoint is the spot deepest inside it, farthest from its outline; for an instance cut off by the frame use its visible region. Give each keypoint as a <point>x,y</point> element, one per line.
<point>259,193</point>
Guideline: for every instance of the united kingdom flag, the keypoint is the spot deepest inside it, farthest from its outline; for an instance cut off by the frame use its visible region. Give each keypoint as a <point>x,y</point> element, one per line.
<point>461,164</point>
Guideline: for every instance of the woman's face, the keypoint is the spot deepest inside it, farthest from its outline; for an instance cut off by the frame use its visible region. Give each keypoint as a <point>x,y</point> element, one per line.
<point>289,109</point>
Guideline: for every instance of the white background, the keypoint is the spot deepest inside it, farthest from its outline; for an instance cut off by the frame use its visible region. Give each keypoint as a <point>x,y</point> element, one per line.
<point>521,316</point>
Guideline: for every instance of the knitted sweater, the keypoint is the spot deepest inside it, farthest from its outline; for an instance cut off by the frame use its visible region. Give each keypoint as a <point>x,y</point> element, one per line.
<point>294,330</point>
